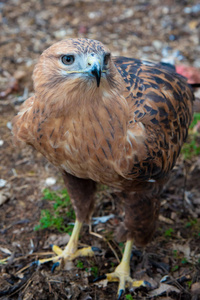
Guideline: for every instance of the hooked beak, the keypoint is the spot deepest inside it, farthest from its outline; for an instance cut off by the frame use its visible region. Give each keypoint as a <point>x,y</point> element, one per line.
<point>95,69</point>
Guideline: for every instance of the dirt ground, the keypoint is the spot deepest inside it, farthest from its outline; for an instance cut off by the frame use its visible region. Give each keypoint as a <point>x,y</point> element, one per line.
<point>171,262</point>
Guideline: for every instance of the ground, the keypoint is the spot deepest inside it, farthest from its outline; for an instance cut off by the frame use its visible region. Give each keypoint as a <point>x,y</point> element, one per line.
<point>139,29</point>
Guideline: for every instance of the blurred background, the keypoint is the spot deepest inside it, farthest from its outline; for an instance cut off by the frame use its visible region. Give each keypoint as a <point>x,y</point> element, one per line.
<point>142,29</point>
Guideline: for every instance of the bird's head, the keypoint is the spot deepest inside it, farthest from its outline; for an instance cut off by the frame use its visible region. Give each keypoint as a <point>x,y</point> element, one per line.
<point>75,65</point>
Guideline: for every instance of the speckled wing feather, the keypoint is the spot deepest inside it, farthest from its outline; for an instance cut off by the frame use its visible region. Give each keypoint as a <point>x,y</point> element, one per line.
<point>162,101</point>
<point>113,120</point>
<point>124,133</point>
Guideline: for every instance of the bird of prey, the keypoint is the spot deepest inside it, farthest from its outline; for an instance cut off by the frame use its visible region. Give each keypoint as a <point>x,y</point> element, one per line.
<point>112,120</point>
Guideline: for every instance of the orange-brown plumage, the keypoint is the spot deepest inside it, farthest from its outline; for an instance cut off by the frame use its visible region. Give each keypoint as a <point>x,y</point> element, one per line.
<point>126,133</point>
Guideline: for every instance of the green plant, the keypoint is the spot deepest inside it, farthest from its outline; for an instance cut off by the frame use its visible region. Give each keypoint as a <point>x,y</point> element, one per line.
<point>112,265</point>
<point>189,283</point>
<point>94,271</point>
<point>168,232</point>
<point>80,264</point>
<point>175,268</point>
<point>129,297</point>
<point>192,147</point>
<point>184,260</point>
<point>191,223</point>
<point>175,253</point>
<point>194,224</point>
<point>196,118</point>
<point>54,218</point>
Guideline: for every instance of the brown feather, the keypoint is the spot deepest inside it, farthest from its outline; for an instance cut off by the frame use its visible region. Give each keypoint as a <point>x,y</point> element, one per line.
<point>126,134</point>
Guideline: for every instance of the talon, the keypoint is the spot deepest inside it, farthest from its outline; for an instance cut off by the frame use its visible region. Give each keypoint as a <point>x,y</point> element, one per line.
<point>102,277</point>
<point>55,265</point>
<point>146,284</point>
<point>96,249</point>
<point>120,294</point>
<point>36,262</point>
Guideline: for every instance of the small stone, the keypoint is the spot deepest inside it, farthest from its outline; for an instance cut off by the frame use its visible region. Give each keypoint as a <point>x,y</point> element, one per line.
<point>50,181</point>
<point>193,9</point>
<point>147,49</point>
<point>2,183</point>
<point>172,37</point>
<point>157,44</point>
<point>60,34</point>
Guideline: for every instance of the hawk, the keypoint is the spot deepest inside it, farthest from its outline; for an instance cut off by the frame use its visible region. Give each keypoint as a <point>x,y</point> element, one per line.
<point>112,120</point>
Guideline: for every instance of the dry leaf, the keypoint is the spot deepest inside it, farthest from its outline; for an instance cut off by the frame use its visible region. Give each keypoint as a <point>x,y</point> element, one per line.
<point>195,289</point>
<point>57,239</point>
<point>164,288</point>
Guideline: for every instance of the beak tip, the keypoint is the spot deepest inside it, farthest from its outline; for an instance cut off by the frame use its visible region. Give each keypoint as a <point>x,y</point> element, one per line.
<point>97,73</point>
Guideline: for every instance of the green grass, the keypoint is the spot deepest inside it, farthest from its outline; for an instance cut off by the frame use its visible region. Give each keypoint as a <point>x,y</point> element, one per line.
<point>194,225</point>
<point>192,147</point>
<point>196,118</point>
<point>61,208</point>
<point>168,232</point>
<point>94,271</point>
<point>128,297</point>
<point>80,264</point>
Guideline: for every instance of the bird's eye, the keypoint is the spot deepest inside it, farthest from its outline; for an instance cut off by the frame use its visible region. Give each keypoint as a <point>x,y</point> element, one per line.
<point>67,59</point>
<point>106,58</point>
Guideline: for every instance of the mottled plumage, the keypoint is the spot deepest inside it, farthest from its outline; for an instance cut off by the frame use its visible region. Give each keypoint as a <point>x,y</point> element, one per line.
<point>114,120</point>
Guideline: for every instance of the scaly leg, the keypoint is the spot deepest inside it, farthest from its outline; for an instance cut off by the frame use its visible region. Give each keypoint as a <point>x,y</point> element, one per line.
<point>71,251</point>
<point>122,272</point>
<point>81,192</point>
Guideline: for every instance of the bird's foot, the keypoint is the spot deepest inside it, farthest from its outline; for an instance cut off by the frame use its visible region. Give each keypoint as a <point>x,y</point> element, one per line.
<point>63,256</point>
<point>121,275</point>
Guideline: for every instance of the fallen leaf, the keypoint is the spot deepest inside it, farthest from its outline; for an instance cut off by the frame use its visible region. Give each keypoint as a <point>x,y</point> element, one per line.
<point>2,183</point>
<point>195,288</point>
<point>19,74</point>
<point>5,250</point>
<point>4,192</point>
<point>59,240</point>
<point>164,288</point>
<point>185,249</point>
<point>86,297</point>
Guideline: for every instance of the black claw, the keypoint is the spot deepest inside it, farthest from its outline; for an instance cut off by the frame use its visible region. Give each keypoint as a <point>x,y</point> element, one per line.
<point>35,263</point>
<point>147,284</point>
<point>100,278</point>
<point>55,265</point>
<point>120,294</point>
<point>96,249</point>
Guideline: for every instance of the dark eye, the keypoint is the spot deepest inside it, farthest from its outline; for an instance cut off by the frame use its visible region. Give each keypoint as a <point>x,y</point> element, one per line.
<point>67,59</point>
<point>106,58</point>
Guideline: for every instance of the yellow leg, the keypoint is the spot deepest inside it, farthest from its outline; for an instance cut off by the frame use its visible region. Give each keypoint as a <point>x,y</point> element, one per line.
<point>122,272</point>
<point>71,251</point>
